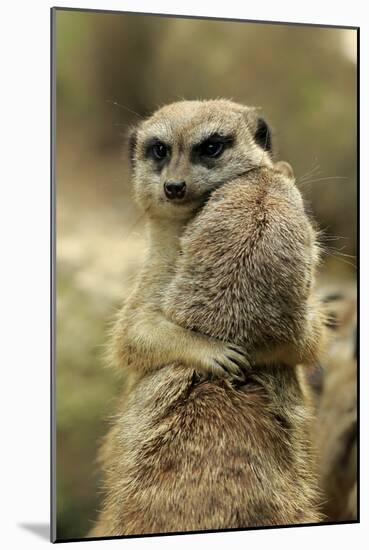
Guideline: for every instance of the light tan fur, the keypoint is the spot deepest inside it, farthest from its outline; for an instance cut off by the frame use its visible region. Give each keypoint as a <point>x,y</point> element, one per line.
<point>144,338</point>
<point>276,314</point>
<point>187,455</point>
<point>336,428</point>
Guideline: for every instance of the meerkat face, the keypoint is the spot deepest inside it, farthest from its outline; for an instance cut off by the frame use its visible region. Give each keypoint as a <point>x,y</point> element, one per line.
<point>187,149</point>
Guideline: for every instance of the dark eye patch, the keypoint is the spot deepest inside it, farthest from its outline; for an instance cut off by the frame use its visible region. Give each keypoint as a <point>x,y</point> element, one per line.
<point>157,150</point>
<point>211,148</point>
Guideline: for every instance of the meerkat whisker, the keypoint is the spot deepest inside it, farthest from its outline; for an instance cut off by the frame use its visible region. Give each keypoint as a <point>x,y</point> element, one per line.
<point>116,104</point>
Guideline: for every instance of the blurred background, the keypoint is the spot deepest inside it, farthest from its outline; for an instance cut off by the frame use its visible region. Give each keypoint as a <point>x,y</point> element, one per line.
<point>113,69</point>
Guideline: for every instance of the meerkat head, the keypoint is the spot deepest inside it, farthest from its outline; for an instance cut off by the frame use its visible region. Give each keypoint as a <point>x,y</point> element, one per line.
<point>187,149</point>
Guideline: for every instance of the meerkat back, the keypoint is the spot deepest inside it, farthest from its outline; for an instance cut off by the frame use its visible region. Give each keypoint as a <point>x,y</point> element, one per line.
<point>248,270</point>
<point>186,455</point>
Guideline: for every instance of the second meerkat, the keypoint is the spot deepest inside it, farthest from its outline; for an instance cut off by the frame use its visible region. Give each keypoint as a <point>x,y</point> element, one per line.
<point>180,155</point>
<point>188,456</point>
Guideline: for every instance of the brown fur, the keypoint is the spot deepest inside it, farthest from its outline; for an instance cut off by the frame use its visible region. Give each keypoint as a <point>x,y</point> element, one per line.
<point>248,271</point>
<point>188,455</point>
<point>336,425</point>
<point>183,456</point>
<point>144,339</point>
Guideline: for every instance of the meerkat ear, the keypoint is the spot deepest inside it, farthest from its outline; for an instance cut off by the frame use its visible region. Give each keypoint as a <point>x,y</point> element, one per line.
<point>263,135</point>
<point>259,128</point>
<point>132,141</point>
<point>284,168</point>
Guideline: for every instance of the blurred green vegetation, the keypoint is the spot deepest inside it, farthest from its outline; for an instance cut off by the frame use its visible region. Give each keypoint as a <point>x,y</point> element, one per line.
<point>83,399</point>
<point>113,69</point>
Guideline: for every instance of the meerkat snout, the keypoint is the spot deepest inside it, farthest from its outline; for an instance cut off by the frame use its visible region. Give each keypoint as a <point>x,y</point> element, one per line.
<point>175,190</point>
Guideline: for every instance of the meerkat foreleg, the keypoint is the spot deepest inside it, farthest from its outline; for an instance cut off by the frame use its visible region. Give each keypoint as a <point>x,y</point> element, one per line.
<point>149,340</point>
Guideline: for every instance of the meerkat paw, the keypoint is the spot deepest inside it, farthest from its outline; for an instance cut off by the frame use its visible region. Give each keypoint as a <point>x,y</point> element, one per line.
<point>226,361</point>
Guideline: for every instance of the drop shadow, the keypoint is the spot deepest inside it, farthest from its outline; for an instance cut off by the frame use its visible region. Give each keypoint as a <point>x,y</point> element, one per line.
<point>40,529</point>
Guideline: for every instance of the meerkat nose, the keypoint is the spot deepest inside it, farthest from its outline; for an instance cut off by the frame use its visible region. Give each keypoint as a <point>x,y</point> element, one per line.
<point>175,190</point>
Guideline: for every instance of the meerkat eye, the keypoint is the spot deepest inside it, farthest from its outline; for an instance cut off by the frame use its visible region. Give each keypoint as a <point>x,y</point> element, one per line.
<point>211,148</point>
<point>159,150</point>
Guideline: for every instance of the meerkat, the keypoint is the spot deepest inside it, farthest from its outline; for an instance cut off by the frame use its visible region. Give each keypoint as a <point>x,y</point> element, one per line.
<point>336,427</point>
<point>276,315</point>
<point>179,156</point>
<point>189,455</point>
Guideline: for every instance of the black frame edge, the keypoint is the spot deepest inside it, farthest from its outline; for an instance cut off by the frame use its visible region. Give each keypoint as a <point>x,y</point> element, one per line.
<point>53,523</point>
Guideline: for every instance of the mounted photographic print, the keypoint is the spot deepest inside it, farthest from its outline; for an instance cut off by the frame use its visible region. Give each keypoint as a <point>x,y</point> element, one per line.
<point>204,179</point>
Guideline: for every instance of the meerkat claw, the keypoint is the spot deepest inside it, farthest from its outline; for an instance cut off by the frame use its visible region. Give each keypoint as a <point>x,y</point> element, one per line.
<point>239,356</point>
<point>228,368</point>
<point>225,370</point>
<point>239,379</point>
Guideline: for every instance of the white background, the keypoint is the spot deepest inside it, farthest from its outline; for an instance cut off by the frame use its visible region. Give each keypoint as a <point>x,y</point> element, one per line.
<point>24,300</point>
